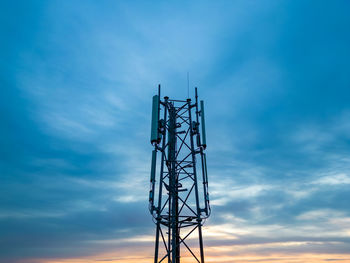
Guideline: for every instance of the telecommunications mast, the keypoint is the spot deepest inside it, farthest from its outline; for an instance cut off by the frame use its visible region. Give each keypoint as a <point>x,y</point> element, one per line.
<point>180,203</point>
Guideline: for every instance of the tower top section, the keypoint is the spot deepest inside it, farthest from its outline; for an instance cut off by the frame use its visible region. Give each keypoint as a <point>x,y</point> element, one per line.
<point>158,125</point>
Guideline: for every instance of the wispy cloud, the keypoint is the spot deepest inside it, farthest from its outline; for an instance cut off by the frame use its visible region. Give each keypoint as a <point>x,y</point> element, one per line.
<point>77,81</point>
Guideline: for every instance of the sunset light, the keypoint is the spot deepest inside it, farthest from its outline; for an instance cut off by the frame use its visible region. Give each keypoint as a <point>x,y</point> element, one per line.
<point>220,129</point>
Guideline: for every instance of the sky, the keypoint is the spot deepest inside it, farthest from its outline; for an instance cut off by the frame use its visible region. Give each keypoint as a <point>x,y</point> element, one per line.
<point>77,80</point>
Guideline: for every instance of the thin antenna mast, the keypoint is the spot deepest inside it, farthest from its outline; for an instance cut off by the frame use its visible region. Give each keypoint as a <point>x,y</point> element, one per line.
<point>188,84</point>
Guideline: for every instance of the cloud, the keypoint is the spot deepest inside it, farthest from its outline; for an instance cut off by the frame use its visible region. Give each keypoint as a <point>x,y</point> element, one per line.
<point>77,83</point>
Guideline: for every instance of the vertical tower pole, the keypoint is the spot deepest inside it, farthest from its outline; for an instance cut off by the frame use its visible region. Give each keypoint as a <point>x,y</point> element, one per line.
<point>193,153</point>
<point>158,209</point>
<point>172,182</point>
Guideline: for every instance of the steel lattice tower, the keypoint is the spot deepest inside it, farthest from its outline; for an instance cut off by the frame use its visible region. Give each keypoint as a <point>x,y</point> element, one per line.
<point>182,199</point>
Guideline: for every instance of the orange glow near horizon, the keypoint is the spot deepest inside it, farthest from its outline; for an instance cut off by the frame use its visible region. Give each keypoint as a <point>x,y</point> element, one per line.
<point>219,254</point>
<point>244,258</point>
<point>141,248</point>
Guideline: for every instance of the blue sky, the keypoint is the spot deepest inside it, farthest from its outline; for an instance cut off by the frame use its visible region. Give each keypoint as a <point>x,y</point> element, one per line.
<point>77,78</point>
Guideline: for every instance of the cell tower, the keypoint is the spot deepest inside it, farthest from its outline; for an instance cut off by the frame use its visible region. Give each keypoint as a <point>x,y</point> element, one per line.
<point>182,203</point>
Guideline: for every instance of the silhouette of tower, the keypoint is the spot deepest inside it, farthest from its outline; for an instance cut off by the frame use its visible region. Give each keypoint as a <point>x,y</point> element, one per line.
<point>178,199</point>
